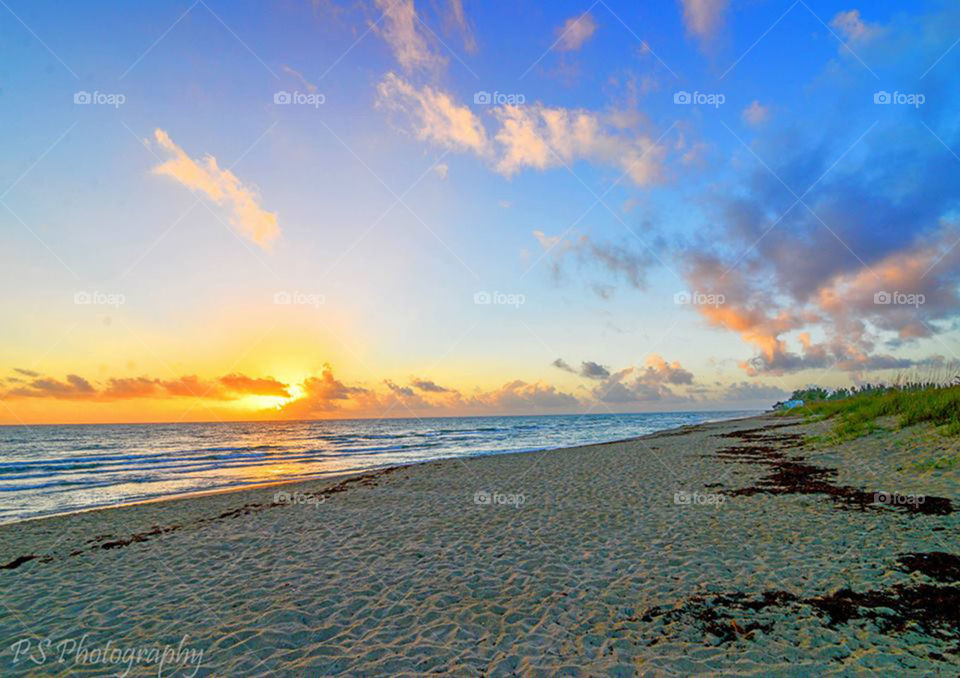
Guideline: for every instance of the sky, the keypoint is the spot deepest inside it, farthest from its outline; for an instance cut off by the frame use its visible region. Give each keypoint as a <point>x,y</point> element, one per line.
<point>215,211</point>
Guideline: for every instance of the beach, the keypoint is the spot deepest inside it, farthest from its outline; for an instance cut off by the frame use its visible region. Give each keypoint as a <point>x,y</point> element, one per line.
<point>733,547</point>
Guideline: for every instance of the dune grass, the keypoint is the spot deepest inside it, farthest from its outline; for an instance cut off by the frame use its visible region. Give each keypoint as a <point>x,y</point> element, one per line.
<point>857,413</point>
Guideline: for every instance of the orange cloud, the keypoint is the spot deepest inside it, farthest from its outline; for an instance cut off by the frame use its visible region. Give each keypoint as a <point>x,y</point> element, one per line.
<point>541,137</point>
<point>402,32</point>
<point>900,294</point>
<point>575,31</point>
<point>434,115</point>
<point>530,135</point>
<point>322,394</point>
<point>47,387</point>
<point>704,18</point>
<point>222,187</point>
<point>240,383</point>
<point>659,370</point>
<point>229,387</point>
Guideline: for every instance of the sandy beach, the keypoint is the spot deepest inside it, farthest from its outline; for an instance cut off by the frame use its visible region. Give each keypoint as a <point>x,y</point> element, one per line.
<point>728,547</point>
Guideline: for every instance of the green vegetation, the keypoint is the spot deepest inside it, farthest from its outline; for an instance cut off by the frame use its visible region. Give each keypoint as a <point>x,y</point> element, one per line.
<point>858,410</point>
<point>945,462</point>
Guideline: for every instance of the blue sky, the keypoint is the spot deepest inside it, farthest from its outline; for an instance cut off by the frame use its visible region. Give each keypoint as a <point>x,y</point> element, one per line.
<point>781,204</point>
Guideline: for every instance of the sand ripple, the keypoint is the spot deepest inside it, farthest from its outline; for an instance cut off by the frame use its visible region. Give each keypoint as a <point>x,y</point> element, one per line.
<point>576,562</point>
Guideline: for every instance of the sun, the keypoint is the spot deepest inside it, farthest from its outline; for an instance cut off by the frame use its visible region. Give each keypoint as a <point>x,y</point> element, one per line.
<point>266,403</point>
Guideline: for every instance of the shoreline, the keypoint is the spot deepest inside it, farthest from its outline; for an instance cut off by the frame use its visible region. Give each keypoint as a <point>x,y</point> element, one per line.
<point>720,547</point>
<point>334,476</point>
<point>347,419</point>
<point>243,496</point>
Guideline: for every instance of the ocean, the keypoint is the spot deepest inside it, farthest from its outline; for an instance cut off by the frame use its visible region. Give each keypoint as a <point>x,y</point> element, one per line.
<point>47,470</point>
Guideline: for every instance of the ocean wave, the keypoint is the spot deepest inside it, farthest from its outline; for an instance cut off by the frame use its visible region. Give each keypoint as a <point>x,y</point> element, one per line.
<point>53,467</point>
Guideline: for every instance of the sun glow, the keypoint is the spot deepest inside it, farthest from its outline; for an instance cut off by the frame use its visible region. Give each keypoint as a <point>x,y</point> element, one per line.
<point>271,402</point>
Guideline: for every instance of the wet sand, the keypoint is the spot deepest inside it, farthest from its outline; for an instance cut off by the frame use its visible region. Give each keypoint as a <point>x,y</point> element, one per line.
<point>729,547</point>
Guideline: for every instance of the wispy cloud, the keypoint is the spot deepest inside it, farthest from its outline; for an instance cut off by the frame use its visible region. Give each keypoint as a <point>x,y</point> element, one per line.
<point>703,18</point>
<point>222,187</point>
<point>756,113</point>
<point>852,27</point>
<point>528,136</point>
<point>575,31</point>
<point>428,385</point>
<point>542,137</point>
<point>588,369</point>
<point>401,29</point>
<point>307,85</point>
<point>434,116</point>
<point>618,261</point>
<point>457,18</point>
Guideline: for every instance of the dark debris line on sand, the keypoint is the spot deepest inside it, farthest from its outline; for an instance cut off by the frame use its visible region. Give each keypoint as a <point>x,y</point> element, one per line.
<point>791,475</point>
<point>108,542</point>
<point>933,609</point>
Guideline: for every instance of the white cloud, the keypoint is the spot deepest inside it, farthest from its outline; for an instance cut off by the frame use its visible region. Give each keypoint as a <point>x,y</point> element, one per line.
<point>222,187</point>
<point>575,31</point>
